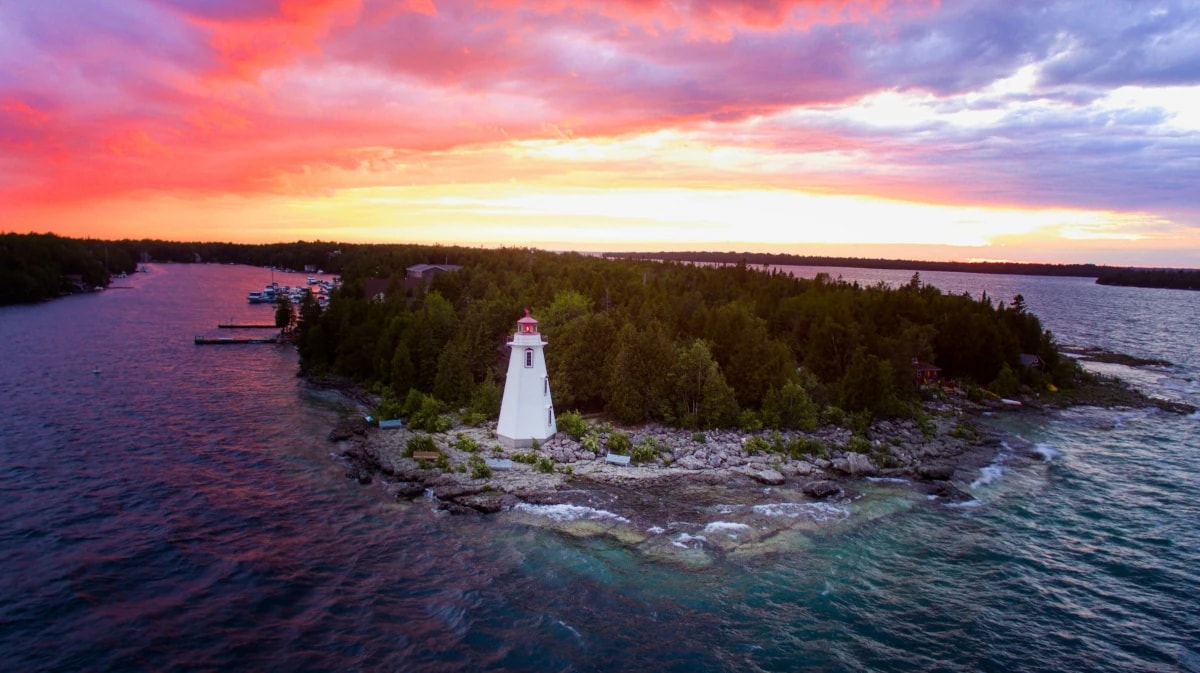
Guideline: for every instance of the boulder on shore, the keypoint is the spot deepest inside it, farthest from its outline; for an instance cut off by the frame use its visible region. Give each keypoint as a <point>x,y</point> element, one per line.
<point>821,489</point>
<point>855,465</point>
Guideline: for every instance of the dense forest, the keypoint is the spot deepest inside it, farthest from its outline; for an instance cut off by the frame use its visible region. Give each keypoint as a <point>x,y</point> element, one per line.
<point>689,345</point>
<point>36,267</point>
<point>1173,279</point>
<point>782,259</point>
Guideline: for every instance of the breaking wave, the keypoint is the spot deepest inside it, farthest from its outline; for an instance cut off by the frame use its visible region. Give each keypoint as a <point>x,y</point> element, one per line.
<point>817,511</point>
<point>564,513</point>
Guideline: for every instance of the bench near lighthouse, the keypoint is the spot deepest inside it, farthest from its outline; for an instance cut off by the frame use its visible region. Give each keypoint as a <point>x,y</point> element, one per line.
<point>526,412</point>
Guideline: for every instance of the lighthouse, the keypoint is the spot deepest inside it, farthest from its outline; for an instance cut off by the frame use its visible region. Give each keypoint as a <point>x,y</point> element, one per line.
<point>526,412</point>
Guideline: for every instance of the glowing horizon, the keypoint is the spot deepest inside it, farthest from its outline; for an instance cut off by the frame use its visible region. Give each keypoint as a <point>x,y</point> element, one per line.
<point>789,125</point>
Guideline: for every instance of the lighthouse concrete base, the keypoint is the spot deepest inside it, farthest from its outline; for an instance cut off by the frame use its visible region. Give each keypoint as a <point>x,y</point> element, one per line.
<point>521,443</point>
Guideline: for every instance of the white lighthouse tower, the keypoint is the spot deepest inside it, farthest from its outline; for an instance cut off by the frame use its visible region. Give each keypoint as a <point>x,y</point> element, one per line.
<point>526,413</point>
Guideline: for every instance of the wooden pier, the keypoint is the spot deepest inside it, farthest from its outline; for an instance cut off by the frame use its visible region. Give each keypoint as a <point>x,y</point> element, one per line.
<point>223,341</point>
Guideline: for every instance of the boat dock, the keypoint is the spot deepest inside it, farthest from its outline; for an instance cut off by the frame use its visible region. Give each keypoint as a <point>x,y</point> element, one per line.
<point>222,341</point>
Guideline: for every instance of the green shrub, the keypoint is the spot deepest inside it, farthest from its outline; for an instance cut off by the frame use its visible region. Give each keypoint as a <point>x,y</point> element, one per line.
<point>645,451</point>
<point>479,467</point>
<point>700,438</point>
<point>590,442</point>
<point>860,422</point>
<point>927,426</point>
<point>964,431</point>
<point>428,415</point>
<point>858,444</point>
<point>1006,383</point>
<point>419,443</point>
<point>544,465</point>
<point>832,415</point>
<point>754,445</point>
<point>473,419</point>
<point>807,446</point>
<point>777,443</point>
<point>618,443</point>
<point>573,424</point>
<point>390,406</point>
<point>465,443</point>
<point>412,402</point>
<point>485,401</point>
<point>750,421</point>
<point>527,457</point>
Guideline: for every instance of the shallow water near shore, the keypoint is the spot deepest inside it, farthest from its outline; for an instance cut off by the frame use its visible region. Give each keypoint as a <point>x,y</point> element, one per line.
<point>182,510</point>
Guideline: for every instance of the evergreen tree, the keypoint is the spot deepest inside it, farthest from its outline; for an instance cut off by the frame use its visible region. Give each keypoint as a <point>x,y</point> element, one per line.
<point>284,315</point>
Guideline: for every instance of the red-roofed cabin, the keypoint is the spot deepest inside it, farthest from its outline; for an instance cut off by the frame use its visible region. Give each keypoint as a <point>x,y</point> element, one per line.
<point>925,373</point>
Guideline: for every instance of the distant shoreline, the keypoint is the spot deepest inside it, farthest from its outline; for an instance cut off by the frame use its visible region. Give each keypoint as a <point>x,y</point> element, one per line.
<point>1183,279</point>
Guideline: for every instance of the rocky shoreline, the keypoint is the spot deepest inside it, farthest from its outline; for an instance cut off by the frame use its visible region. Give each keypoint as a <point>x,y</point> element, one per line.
<point>727,491</point>
<point>936,458</point>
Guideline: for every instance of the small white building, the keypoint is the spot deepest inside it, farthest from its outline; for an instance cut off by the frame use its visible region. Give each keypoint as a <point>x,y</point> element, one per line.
<point>526,412</point>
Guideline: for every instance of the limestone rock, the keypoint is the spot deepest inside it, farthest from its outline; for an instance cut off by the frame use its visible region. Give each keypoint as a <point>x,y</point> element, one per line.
<point>855,465</point>
<point>821,489</point>
<point>767,476</point>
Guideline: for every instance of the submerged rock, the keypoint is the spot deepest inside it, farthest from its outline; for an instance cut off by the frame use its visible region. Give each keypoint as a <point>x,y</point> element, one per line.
<point>347,428</point>
<point>821,489</point>
<point>409,490</point>
<point>488,503</point>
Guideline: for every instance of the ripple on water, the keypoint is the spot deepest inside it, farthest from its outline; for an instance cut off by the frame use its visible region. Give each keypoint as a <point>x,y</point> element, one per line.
<point>180,511</point>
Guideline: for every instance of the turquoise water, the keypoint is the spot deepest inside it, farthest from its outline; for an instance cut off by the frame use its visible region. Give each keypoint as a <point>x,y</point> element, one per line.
<point>182,510</point>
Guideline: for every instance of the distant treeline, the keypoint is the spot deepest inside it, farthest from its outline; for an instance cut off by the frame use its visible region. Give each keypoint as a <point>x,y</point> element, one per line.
<point>690,345</point>
<point>1174,279</point>
<point>36,267</point>
<point>780,259</point>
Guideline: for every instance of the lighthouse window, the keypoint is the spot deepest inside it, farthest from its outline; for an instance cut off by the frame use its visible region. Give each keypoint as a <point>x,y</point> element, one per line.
<point>528,357</point>
<point>549,415</point>
<point>546,386</point>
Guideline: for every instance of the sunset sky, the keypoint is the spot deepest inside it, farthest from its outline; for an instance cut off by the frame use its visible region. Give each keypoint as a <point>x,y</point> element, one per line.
<point>1052,130</point>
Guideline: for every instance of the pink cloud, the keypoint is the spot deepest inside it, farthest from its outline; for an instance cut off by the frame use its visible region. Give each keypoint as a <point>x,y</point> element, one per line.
<point>199,97</point>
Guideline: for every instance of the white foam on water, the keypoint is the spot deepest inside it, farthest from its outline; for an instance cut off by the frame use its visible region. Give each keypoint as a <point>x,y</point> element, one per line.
<point>987,475</point>
<point>564,513</point>
<point>572,629</point>
<point>683,539</point>
<point>725,527</point>
<point>655,530</point>
<point>888,480</point>
<point>817,511</point>
<point>969,504</point>
<point>1047,452</point>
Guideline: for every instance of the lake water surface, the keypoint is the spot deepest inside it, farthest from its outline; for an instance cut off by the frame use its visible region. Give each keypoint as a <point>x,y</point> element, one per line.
<point>183,510</point>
